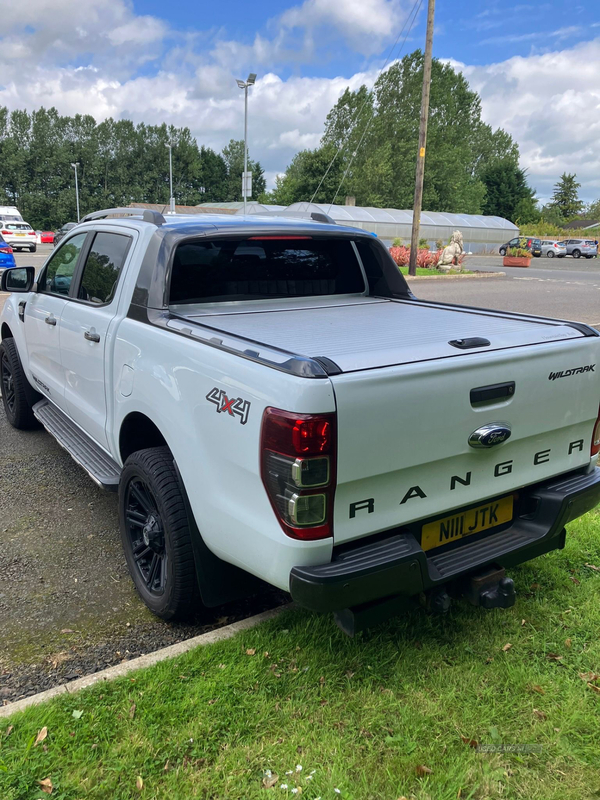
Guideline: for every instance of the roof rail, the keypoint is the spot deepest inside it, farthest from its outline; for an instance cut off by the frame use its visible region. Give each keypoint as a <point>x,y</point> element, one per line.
<point>320,216</point>
<point>146,214</point>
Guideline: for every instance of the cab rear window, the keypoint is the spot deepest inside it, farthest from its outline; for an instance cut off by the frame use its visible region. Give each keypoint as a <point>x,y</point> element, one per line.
<point>262,267</point>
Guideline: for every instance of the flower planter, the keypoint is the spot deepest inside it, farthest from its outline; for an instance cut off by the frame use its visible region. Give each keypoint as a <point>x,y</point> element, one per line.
<point>516,261</point>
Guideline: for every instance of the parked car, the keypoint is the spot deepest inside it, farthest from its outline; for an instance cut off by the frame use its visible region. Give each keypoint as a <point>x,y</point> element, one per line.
<point>551,248</point>
<point>61,232</point>
<point>10,214</point>
<point>261,394</point>
<point>581,247</point>
<point>525,243</point>
<point>7,259</point>
<point>19,235</point>
<point>47,237</point>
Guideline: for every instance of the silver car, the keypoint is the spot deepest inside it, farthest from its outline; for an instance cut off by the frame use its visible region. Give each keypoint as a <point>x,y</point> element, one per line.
<point>581,247</point>
<point>551,248</point>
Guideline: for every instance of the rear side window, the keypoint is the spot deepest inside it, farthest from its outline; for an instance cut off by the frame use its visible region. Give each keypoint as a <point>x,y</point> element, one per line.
<point>102,267</point>
<point>263,267</point>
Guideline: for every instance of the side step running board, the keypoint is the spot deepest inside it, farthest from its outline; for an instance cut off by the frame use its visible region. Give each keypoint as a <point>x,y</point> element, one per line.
<point>98,464</point>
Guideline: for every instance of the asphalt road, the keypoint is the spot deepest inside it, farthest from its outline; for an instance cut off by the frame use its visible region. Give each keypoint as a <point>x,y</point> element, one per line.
<point>66,601</point>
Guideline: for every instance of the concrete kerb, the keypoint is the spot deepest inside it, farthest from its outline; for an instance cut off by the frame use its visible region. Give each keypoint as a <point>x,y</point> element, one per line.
<point>148,660</point>
<point>476,275</point>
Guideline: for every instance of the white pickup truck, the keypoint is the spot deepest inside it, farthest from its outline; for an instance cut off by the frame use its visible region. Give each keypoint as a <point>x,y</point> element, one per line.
<point>272,402</point>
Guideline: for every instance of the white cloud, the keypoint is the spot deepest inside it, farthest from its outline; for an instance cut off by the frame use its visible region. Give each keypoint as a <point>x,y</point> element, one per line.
<point>550,104</point>
<point>91,57</point>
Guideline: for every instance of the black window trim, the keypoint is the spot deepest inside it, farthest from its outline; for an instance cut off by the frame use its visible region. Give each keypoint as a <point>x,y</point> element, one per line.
<point>78,274</point>
<point>42,276</point>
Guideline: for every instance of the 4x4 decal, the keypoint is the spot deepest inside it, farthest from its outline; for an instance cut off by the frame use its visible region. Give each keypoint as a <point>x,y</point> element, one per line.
<point>236,406</point>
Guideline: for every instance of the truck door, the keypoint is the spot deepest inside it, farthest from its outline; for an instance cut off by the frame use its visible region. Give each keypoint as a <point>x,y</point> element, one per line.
<point>85,330</point>
<point>42,319</point>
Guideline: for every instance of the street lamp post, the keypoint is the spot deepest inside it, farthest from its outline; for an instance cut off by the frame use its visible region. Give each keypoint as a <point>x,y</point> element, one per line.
<point>171,199</point>
<point>75,165</point>
<point>244,85</point>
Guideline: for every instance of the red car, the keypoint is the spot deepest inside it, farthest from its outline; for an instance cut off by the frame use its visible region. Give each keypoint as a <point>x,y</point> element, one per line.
<point>47,237</point>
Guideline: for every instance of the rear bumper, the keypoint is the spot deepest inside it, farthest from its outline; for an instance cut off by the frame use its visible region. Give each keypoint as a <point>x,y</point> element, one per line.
<point>397,565</point>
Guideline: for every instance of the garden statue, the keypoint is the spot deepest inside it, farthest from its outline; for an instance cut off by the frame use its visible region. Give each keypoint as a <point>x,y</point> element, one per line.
<point>451,254</point>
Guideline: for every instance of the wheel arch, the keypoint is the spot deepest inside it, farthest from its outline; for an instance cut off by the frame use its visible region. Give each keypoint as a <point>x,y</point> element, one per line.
<point>5,332</point>
<point>138,432</point>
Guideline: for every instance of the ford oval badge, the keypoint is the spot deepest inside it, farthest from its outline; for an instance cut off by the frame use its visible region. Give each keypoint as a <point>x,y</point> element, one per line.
<point>490,435</point>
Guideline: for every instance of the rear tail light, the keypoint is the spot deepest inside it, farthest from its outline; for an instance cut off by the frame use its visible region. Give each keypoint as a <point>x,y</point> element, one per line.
<point>595,448</point>
<point>31,233</point>
<point>6,250</point>
<point>5,233</point>
<point>298,470</point>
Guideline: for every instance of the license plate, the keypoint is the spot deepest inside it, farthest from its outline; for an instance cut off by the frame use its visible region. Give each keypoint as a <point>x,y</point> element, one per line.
<point>19,234</point>
<point>458,526</point>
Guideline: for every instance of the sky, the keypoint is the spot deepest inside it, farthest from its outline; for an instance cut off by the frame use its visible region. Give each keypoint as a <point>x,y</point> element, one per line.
<point>535,65</point>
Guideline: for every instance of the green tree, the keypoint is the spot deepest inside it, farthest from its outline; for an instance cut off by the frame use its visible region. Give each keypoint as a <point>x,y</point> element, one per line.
<point>565,196</point>
<point>233,155</point>
<point>507,193</point>
<point>371,138</point>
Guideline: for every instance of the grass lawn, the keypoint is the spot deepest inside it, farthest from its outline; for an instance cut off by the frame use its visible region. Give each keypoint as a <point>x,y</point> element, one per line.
<point>394,713</point>
<point>421,271</point>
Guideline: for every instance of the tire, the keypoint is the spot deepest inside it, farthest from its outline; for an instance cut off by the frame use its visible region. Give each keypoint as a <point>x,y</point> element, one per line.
<point>17,407</point>
<point>550,254</point>
<point>502,251</point>
<point>33,248</point>
<point>589,256</point>
<point>155,533</point>
<point>576,253</point>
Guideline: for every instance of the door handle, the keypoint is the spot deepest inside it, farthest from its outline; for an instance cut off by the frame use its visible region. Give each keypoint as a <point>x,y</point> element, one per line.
<point>50,320</point>
<point>92,337</point>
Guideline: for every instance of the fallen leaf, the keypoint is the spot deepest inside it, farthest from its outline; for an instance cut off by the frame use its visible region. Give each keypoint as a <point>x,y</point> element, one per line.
<point>470,742</point>
<point>534,586</point>
<point>507,647</point>
<point>568,642</point>
<point>9,730</point>
<point>270,780</point>
<point>139,783</point>
<point>423,770</point>
<point>489,660</point>
<point>41,736</point>
<point>572,578</point>
<point>593,566</point>
<point>212,702</point>
<point>67,630</point>
<point>594,688</point>
<point>589,676</point>
<point>538,689</point>
<point>132,711</point>
<point>539,714</point>
<point>77,714</point>
<point>554,657</point>
<point>322,681</point>
<point>523,622</point>
<point>251,652</point>
<point>46,785</point>
<point>166,766</point>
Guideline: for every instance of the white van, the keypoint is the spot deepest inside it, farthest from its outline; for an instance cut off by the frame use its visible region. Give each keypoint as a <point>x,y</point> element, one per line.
<point>10,214</point>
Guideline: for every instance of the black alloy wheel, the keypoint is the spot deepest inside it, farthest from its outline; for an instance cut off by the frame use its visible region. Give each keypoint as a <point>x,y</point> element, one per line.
<point>146,536</point>
<point>156,535</point>
<point>15,397</point>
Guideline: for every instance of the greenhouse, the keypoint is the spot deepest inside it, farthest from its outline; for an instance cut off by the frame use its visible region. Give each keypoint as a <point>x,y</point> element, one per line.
<point>480,234</point>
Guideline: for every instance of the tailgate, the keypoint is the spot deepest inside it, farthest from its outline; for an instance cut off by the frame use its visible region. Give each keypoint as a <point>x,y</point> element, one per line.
<point>403,452</point>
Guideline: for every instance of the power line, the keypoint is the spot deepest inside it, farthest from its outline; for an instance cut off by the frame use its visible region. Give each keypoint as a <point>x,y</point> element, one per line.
<point>416,11</point>
<point>416,6</point>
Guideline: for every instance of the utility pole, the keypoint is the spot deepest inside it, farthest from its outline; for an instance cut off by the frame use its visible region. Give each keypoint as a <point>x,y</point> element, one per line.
<point>169,144</point>
<point>245,177</point>
<point>414,239</point>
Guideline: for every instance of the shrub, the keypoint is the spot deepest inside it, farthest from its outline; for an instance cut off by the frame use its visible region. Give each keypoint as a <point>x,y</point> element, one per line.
<point>439,243</point>
<point>423,244</point>
<point>518,252</point>
<point>400,254</point>
<point>398,242</point>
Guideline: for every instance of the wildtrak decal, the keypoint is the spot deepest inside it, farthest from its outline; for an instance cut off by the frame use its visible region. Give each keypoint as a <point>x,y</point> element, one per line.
<point>570,372</point>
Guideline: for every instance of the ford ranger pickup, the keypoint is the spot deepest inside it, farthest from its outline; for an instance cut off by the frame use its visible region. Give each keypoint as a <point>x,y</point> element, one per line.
<point>273,404</point>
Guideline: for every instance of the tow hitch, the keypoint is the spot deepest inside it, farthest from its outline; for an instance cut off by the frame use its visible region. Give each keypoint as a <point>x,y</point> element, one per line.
<point>491,589</point>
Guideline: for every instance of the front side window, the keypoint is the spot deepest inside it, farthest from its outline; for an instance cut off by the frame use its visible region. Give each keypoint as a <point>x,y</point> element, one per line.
<point>102,267</point>
<point>57,277</point>
<point>264,267</point>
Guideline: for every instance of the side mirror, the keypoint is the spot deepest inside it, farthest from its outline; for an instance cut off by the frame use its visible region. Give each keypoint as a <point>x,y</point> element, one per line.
<point>18,280</point>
